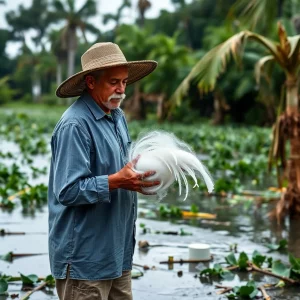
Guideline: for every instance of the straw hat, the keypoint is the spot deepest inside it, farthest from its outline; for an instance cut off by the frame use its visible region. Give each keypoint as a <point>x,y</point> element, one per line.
<point>102,56</point>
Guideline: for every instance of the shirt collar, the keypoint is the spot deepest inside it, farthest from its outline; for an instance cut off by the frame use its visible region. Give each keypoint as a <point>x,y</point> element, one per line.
<point>97,111</point>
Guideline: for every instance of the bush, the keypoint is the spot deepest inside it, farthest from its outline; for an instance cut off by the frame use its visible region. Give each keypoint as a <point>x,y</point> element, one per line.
<point>6,93</point>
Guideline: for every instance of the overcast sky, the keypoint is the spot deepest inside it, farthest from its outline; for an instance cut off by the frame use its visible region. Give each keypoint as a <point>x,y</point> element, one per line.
<point>103,7</point>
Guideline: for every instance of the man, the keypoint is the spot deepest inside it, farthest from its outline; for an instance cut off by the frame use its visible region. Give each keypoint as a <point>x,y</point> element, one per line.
<point>92,187</point>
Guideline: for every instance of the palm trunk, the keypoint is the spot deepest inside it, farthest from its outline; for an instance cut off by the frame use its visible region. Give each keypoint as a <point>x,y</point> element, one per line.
<point>58,73</point>
<point>36,88</point>
<point>137,111</point>
<point>290,127</point>
<point>71,61</point>
<point>72,46</point>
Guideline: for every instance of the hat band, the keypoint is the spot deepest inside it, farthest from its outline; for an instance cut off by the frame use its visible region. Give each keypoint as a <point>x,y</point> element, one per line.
<point>104,61</point>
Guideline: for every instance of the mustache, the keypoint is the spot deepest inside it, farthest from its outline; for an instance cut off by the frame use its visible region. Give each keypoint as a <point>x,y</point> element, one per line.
<point>116,96</point>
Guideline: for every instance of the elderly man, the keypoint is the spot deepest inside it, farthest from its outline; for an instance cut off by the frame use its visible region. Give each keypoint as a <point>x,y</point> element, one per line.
<point>92,187</point>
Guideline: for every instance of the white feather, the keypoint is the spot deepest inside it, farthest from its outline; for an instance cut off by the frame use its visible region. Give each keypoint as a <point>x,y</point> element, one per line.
<point>171,158</point>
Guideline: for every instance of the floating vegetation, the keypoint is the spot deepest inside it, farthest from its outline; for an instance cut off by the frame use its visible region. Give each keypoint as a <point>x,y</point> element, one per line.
<point>287,275</point>
<point>27,280</point>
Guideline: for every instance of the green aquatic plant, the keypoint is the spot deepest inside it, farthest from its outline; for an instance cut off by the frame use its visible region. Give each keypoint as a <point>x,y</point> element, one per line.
<point>248,291</point>
<point>218,271</point>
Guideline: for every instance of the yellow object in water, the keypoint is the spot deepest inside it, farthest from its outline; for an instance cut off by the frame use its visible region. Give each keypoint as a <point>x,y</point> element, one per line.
<point>189,214</point>
<point>12,197</point>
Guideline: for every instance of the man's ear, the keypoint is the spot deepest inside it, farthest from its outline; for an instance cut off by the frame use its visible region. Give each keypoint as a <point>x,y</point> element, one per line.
<point>90,82</point>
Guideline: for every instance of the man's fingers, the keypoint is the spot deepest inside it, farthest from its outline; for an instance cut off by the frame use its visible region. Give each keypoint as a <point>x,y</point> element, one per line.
<point>149,183</point>
<point>148,174</point>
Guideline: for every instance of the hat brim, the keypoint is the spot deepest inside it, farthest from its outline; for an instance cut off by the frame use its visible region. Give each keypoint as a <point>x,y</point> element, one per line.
<point>75,85</point>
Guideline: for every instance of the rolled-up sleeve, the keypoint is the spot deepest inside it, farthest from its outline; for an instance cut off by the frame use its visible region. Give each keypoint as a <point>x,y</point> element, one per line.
<point>73,182</point>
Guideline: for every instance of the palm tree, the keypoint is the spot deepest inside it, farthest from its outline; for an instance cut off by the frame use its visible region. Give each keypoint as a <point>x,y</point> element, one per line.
<point>34,17</point>
<point>143,6</point>
<point>59,52</point>
<point>286,53</point>
<point>35,68</point>
<point>116,17</point>
<point>135,45</point>
<point>174,61</point>
<point>262,13</point>
<point>74,20</point>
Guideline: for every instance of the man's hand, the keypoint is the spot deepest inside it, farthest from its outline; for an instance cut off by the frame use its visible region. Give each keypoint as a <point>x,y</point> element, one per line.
<point>127,179</point>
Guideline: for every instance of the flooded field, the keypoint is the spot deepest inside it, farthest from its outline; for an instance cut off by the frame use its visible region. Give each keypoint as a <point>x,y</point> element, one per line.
<point>244,225</point>
<point>240,225</point>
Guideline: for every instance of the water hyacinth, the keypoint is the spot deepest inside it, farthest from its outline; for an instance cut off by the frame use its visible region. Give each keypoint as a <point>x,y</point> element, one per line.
<point>171,158</point>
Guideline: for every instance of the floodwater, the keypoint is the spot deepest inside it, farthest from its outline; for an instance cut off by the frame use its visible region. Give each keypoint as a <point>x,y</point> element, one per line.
<point>248,227</point>
<point>244,224</point>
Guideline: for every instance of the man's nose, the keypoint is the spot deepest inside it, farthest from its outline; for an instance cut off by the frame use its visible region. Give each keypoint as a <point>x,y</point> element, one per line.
<point>121,88</point>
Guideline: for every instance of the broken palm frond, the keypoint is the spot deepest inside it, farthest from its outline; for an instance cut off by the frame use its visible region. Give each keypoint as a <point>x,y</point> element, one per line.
<point>189,214</point>
<point>264,293</point>
<point>252,267</point>
<point>225,289</point>
<point>40,287</point>
<point>171,159</point>
<point>182,261</point>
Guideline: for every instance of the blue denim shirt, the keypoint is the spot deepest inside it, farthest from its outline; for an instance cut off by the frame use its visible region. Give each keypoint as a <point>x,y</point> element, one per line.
<point>90,227</point>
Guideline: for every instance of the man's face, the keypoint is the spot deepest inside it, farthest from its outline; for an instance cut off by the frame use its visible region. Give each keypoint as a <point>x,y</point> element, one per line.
<point>108,90</point>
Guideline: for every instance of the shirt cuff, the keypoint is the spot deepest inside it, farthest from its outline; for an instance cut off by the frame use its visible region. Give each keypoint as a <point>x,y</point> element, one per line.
<point>103,188</point>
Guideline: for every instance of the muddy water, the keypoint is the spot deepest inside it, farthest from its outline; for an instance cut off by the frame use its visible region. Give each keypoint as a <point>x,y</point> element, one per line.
<point>244,225</point>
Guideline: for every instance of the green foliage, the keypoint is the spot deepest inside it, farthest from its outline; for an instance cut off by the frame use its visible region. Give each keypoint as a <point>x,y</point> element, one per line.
<point>258,259</point>
<point>248,291</point>
<point>231,260</point>
<point>50,281</point>
<point>29,279</point>
<point>295,267</point>
<point>218,271</point>
<point>34,197</point>
<point>3,286</point>
<point>6,92</point>
<point>194,208</point>
<point>280,269</point>
<point>241,262</point>
<point>278,247</point>
<point>169,212</point>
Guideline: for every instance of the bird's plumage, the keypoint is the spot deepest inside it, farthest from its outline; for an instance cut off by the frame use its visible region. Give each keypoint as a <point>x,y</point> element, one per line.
<point>171,158</point>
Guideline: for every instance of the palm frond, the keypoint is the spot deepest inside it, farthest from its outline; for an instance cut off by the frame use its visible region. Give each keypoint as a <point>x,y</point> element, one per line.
<point>91,28</point>
<point>88,9</point>
<point>260,67</point>
<point>255,12</point>
<point>294,55</point>
<point>208,69</point>
<point>108,17</point>
<point>71,4</point>
<point>58,5</point>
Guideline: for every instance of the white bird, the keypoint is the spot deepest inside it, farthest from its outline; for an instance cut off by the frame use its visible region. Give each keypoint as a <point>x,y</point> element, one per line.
<point>171,159</point>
